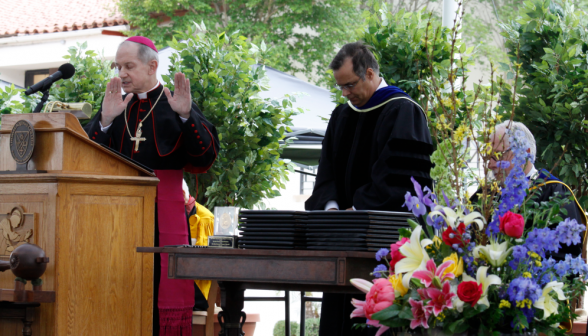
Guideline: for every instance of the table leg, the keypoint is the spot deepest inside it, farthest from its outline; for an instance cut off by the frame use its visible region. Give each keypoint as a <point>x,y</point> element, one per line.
<point>28,321</point>
<point>232,318</point>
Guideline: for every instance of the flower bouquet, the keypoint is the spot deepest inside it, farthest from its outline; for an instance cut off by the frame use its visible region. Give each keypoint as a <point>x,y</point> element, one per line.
<point>458,274</point>
<point>477,267</point>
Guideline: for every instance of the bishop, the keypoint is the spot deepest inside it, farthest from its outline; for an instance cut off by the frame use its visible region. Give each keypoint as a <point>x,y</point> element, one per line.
<point>168,133</point>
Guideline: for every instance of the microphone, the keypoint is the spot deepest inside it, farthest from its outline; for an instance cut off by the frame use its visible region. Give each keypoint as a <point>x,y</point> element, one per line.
<point>66,71</point>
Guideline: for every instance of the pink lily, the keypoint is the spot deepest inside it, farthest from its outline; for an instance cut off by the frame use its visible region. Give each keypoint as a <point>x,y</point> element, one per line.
<point>420,313</point>
<point>440,299</point>
<point>359,311</point>
<point>377,324</point>
<point>433,273</point>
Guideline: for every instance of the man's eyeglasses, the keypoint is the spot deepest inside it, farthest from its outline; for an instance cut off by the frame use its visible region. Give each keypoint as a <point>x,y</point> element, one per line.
<point>349,86</point>
<point>501,154</point>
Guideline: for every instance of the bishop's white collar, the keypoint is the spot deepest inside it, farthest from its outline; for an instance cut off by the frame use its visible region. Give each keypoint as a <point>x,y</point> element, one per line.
<point>144,94</point>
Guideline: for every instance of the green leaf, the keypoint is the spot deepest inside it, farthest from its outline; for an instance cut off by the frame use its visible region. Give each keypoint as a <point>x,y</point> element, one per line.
<point>413,224</point>
<point>387,313</point>
<point>404,233</point>
<point>406,313</point>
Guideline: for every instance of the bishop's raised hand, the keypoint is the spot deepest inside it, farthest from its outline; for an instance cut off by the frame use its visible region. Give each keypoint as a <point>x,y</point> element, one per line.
<point>113,104</point>
<point>181,102</point>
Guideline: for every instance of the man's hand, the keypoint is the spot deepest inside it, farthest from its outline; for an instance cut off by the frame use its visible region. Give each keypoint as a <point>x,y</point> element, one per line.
<point>113,104</point>
<point>181,102</point>
<point>350,209</point>
<point>332,209</point>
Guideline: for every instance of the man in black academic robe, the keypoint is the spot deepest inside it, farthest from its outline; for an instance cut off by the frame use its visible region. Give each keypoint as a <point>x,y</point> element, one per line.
<point>166,132</point>
<point>372,147</point>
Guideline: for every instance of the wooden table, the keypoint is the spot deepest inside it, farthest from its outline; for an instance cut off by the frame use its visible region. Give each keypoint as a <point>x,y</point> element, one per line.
<point>238,269</point>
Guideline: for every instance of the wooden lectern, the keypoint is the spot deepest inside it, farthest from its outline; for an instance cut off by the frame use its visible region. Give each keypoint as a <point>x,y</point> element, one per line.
<point>89,212</point>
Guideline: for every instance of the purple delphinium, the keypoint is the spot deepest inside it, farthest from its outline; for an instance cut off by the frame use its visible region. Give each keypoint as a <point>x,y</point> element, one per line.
<point>516,183</point>
<point>524,288</point>
<point>561,268</point>
<point>502,164</point>
<point>382,253</point>
<point>569,232</point>
<point>519,254</point>
<point>471,267</point>
<point>542,240</point>
<point>379,271</point>
<point>576,265</point>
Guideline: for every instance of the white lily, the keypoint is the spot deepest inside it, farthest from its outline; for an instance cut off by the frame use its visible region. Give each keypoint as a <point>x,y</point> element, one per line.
<point>494,253</point>
<point>416,256</point>
<point>457,303</point>
<point>453,218</point>
<point>361,284</point>
<point>547,302</point>
<point>485,280</point>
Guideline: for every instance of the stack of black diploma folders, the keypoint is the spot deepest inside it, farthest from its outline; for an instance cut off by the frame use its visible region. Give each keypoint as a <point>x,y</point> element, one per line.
<point>321,230</point>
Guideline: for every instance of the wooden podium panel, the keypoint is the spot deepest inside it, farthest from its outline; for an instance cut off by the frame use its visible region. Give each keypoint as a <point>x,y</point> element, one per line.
<point>91,211</point>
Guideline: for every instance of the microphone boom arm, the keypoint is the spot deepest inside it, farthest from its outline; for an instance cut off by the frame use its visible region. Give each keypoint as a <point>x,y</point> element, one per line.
<point>39,106</point>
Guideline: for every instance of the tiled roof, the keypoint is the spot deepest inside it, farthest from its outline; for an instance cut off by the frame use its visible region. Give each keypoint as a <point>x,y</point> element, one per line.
<point>50,16</point>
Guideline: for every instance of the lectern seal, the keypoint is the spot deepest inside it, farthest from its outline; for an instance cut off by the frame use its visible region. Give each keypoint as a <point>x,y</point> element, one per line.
<point>22,141</point>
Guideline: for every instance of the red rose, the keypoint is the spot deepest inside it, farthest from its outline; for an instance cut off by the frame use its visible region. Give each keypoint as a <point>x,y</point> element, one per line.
<point>395,255</point>
<point>512,224</point>
<point>470,292</point>
<point>457,236</point>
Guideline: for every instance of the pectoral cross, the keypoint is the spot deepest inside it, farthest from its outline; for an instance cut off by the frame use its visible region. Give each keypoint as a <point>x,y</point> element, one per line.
<point>137,138</point>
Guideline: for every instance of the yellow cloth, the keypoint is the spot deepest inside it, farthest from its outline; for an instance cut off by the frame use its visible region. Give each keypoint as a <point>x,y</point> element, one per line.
<point>202,226</point>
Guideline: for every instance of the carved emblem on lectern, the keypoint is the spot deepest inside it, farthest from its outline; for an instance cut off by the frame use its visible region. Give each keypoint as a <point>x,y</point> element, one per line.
<point>22,141</point>
<point>16,228</point>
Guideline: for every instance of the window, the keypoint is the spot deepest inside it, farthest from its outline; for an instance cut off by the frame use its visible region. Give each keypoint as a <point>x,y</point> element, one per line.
<point>34,76</point>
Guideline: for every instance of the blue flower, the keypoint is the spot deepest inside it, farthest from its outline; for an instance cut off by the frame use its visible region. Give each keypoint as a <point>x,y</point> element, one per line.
<point>382,253</point>
<point>417,203</point>
<point>519,252</point>
<point>547,278</point>
<point>414,204</point>
<point>561,268</point>
<point>548,263</point>
<point>516,183</point>
<point>503,164</point>
<point>569,232</point>
<point>436,223</point>
<point>379,271</point>
<point>523,288</point>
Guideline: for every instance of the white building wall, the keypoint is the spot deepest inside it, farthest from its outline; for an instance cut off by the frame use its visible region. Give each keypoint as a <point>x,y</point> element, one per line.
<point>31,52</point>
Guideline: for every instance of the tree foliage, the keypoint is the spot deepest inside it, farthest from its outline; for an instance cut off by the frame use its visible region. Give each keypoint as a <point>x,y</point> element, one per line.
<point>549,43</point>
<point>483,18</point>
<point>303,33</point>
<point>225,81</point>
<point>88,84</point>
<point>399,42</point>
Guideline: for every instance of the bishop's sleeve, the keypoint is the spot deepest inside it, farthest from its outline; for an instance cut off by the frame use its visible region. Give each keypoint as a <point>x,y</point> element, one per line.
<point>405,146</point>
<point>201,142</point>
<point>94,130</point>
<point>325,188</point>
